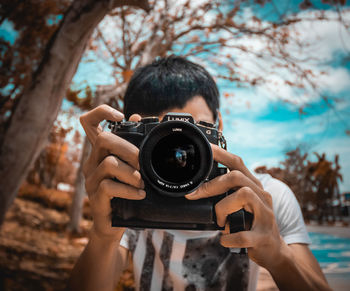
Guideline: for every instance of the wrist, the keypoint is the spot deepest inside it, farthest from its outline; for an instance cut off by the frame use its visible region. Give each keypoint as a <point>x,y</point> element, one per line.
<point>106,239</point>
<point>283,258</point>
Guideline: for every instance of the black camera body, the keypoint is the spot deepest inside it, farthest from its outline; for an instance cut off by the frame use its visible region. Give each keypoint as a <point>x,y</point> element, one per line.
<point>175,159</point>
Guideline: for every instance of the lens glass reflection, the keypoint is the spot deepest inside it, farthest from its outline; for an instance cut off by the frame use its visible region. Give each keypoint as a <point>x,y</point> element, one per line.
<point>175,158</point>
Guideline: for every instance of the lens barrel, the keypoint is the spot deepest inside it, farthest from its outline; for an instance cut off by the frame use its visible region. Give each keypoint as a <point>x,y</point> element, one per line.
<point>175,158</point>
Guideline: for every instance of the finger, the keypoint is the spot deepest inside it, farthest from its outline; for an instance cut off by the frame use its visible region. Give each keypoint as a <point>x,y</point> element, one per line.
<point>243,198</point>
<point>222,184</point>
<point>233,162</point>
<point>135,117</point>
<point>107,144</point>
<point>112,167</point>
<point>91,120</point>
<point>108,189</point>
<point>242,239</point>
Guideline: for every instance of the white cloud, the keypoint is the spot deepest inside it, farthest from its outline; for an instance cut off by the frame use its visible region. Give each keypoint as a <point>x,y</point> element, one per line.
<point>325,39</point>
<point>269,134</point>
<point>336,81</point>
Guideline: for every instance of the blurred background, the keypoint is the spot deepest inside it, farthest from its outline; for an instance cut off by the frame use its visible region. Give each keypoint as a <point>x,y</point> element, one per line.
<point>283,70</point>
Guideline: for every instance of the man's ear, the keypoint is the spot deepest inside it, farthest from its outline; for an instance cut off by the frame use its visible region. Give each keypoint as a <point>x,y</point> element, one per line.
<point>221,124</point>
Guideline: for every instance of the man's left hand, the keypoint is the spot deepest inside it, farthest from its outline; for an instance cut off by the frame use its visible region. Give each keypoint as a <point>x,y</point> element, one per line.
<point>263,241</point>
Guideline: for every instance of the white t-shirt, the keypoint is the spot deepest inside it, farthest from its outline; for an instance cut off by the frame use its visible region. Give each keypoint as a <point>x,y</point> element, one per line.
<point>183,260</point>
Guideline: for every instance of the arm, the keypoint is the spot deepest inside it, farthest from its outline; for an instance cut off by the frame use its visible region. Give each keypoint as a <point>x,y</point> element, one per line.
<point>293,267</point>
<point>99,266</point>
<point>298,270</point>
<point>103,259</point>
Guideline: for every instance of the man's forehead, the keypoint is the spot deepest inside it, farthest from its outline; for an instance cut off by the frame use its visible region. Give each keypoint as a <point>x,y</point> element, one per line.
<point>197,107</point>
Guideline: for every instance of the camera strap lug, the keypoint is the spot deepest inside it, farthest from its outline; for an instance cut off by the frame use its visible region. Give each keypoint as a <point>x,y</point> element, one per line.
<point>222,141</point>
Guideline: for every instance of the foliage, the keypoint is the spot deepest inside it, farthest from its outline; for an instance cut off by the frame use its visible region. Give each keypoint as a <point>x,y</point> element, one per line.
<point>211,32</point>
<point>57,163</point>
<point>315,183</point>
<point>84,102</point>
<point>34,23</point>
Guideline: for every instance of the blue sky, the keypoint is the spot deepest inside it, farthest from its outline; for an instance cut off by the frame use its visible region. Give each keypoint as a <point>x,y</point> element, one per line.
<point>257,125</point>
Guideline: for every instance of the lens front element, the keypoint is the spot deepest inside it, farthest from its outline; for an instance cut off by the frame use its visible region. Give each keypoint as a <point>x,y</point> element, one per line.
<point>175,158</point>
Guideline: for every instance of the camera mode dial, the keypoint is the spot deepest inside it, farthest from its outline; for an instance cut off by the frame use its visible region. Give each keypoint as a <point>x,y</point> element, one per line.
<point>149,120</point>
<point>127,124</point>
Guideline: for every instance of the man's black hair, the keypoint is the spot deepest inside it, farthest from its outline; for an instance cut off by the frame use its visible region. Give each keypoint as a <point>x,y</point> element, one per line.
<point>168,83</point>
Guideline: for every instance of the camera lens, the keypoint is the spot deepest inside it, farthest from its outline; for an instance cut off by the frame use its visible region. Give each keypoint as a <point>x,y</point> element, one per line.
<point>175,158</point>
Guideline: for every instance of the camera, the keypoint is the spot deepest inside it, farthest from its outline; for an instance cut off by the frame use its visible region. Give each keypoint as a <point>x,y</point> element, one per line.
<point>175,159</point>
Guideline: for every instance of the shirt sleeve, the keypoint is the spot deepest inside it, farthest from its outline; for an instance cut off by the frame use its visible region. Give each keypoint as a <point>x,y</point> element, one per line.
<point>287,212</point>
<point>124,242</point>
<point>129,239</point>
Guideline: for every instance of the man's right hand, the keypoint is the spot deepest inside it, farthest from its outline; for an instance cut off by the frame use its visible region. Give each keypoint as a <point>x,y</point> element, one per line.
<point>110,157</point>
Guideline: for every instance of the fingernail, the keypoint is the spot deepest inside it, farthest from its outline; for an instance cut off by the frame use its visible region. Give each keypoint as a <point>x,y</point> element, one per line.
<point>118,114</point>
<point>142,193</point>
<point>191,195</point>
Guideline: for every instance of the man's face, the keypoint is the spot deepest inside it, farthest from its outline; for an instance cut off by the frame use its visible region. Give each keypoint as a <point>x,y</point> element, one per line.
<point>197,107</point>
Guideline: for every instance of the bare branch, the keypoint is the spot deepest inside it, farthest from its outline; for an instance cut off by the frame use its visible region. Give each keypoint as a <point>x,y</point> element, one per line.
<point>109,49</point>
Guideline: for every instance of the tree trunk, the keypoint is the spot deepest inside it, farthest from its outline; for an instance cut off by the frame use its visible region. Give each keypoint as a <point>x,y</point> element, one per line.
<point>103,95</point>
<point>76,211</point>
<point>38,107</point>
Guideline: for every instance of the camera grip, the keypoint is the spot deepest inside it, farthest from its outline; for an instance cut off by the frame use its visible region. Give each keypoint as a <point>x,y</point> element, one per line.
<point>240,220</point>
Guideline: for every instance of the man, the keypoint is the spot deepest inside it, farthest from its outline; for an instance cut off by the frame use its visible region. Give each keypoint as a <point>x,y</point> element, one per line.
<point>177,259</point>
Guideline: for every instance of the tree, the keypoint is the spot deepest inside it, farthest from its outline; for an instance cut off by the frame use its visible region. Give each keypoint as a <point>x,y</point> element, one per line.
<point>33,23</point>
<point>324,179</point>
<point>76,210</point>
<point>57,162</point>
<point>314,183</point>
<point>34,112</point>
